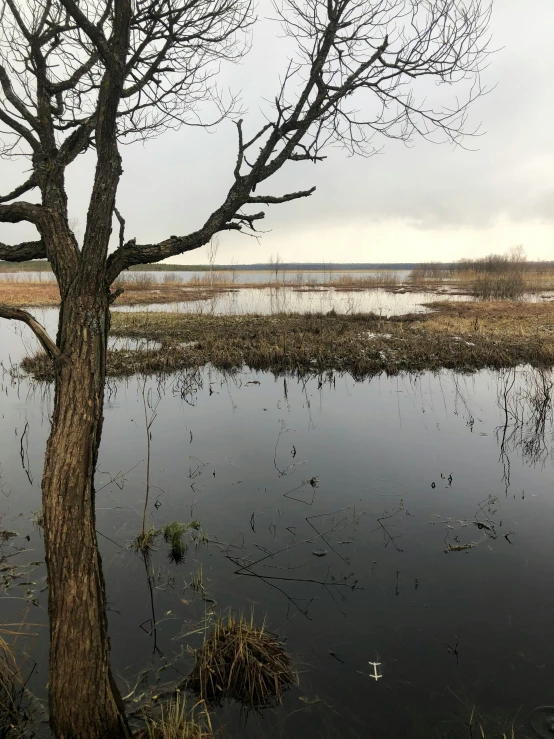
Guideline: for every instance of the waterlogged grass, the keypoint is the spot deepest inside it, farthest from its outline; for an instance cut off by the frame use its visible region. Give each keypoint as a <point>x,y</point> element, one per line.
<point>173,534</point>
<point>242,661</point>
<point>175,721</point>
<point>461,336</point>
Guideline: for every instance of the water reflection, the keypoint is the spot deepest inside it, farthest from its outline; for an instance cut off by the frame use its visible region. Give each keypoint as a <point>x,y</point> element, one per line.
<point>329,505</point>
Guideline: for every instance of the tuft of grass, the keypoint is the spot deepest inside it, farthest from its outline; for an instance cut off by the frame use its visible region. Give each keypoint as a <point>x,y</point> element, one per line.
<point>176,722</point>
<point>242,662</point>
<point>197,581</point>
<point>174,533</point>
<point>145,541</point>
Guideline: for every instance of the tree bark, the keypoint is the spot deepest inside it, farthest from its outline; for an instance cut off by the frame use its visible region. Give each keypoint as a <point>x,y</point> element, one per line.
<point>85,702</point>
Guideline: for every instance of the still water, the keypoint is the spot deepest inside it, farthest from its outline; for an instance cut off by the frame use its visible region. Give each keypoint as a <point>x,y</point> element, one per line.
<point>390,477</point>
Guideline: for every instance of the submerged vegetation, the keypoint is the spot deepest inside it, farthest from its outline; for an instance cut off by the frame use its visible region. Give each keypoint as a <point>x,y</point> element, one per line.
<point>465,336</point>
<point>241,661</point>
<point>173,534</point>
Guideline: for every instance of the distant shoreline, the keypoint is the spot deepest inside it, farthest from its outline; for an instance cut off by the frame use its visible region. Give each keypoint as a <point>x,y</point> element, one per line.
<point>44,266</point>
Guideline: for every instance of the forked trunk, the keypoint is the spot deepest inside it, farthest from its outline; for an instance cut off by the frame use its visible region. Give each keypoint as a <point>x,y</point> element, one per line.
<point>84,701</point>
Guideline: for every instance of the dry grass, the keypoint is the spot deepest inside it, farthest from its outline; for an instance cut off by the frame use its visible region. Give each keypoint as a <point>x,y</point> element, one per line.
<point>136,292</point>
<point>175,721</point>
<point>241,661</point>
<point>11,689</point>
<point>492,319</point>
<point>364,281</point>
<point>36,294</point>
<point>208,279</point>
<point>15,703</point>
<point>462,336</point>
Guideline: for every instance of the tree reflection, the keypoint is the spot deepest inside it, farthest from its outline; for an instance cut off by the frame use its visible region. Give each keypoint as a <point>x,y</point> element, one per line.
<point>525,398</point>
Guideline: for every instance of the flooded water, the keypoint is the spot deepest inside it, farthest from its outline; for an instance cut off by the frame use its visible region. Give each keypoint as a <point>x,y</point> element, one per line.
<point>316,300</point>
<point>302,297</point>
<point>429,499</point>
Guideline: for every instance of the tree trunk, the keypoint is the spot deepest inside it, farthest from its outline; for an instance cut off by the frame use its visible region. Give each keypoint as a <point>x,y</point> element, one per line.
<point>85,703</point>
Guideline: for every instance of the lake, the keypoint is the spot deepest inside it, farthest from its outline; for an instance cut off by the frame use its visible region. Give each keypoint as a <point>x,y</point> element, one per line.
<point>428,503</point>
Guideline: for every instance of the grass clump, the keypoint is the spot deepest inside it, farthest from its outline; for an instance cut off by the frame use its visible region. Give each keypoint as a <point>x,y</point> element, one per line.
<point>145,541</point>
<point>241,661</point>
<point>173,534</point>
<point>14,699</point>
<point>176,722</point>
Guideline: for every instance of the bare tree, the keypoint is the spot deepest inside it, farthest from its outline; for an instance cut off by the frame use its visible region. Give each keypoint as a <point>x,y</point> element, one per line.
<point>275,262</point>
<point>79,75</point>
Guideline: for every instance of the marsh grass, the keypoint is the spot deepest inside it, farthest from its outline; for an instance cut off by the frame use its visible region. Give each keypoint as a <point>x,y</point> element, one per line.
<point>29,293</point>
<point>175,721</point>
<point>15,700</point>
<point>364,281</point>
<point>139,288</point>
<point>11,690</point>
<point>174,533</point>
<point>465,336</point>
<point>241,661</point>
<point>211,279</point>
<point>197,581</point>
<point>145,541</point>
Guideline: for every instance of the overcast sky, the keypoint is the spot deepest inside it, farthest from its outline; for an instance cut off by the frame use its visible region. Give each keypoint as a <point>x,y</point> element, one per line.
<point>405,204</point>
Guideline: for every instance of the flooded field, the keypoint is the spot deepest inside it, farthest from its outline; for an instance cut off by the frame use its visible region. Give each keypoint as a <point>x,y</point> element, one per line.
<point>399,521</point>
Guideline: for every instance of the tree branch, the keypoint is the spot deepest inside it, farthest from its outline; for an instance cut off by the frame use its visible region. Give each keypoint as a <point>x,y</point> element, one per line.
<point>12,98</point>
<point>21,190</point>
<point>16,314</point>
<point>272,200</point>
<point>23,252</point>
<point>20,211</point>
<point>121,226</point>
<point>58,87</point>
<point>94,33</point>
<point>19,129</point>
